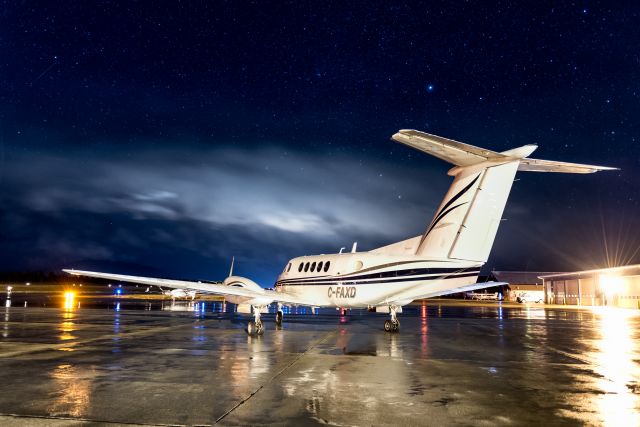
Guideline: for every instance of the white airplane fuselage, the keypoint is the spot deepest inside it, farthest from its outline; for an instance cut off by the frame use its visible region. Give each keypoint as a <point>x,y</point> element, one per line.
<point>362,279</point>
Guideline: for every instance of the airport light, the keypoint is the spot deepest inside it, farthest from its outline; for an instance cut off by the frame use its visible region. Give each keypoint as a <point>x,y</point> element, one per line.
<point>69,298</point>
<point>611,285</point>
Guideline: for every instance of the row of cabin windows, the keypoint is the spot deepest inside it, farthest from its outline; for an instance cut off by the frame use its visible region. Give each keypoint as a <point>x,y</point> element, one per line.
<point>314,266</point>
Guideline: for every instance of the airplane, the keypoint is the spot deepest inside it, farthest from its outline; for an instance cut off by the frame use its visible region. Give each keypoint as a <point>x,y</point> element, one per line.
<point>445,259</point>
<point>180,293</point>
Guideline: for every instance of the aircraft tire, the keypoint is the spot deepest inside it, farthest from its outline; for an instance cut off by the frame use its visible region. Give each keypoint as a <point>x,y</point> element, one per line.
<point>388,326</point>
<point>279,318</point>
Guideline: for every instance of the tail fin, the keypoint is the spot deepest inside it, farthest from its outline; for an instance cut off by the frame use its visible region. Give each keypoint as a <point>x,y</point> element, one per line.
<point>465,225</point>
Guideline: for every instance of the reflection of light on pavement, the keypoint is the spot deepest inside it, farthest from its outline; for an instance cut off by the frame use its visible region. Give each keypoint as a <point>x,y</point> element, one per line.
<point>614,360</point>
<point>71,391</point>
<point>394,349</point>
<point>259,362</point>
<point>67,326</point>
<point>424,328</point>
<point>5,331</point>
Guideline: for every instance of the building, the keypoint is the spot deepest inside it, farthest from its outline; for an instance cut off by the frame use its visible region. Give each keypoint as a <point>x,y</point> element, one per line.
<point>618,286</point>
<point>523,286</point>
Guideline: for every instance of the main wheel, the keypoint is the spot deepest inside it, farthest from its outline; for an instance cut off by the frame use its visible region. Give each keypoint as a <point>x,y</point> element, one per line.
<point>388,326</point>
<point>279,318</point>
<point>396,326</point>
<point>251,328</point>
<point>259,328</point>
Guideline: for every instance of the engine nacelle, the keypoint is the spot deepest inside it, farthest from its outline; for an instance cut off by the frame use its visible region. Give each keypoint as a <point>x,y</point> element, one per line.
<point>243,282</point>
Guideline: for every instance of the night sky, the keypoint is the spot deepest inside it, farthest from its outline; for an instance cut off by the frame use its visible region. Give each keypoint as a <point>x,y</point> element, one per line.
<point>165,139</point>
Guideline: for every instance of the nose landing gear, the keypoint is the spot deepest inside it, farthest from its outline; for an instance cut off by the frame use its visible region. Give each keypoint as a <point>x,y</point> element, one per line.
<point>256,327</point>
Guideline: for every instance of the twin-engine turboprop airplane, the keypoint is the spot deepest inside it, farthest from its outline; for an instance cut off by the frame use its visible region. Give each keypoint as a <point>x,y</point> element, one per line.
<point>445,259</point>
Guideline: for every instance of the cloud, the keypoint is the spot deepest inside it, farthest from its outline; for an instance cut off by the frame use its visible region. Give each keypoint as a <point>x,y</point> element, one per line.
<point>196,199</point>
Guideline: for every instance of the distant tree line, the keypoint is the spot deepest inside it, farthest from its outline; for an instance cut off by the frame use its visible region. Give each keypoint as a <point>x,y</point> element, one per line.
<point>31,276</point>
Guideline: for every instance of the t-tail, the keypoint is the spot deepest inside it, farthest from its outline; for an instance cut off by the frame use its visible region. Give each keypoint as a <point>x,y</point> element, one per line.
<point>465,225</point>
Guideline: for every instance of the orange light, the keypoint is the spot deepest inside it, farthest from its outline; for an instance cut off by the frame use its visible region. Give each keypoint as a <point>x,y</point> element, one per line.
<point>69,298</point>
<point>611,285</point>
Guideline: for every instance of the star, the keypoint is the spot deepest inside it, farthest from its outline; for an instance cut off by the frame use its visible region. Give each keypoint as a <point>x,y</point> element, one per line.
<point>430,87</point>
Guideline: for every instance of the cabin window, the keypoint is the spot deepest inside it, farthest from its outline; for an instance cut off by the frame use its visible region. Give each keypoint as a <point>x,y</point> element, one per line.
<point>306,267</point>
<point>300,266</point>
<point>313,266</point>
<point>289,268</point>
<point>319,267</point>
<point>326,266</point>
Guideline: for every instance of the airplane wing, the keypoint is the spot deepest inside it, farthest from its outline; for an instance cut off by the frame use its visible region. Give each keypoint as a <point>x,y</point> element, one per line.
<point>537,165</point>
<point>217,288</point>
<point>419,292</point>
<point>455,152</point>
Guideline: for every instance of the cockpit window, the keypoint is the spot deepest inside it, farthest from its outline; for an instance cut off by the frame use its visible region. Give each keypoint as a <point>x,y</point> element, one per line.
<point>306,267</point>
<point>300,266</point>
<point>326,266</point>
<point>319,267</point>
<point>289,268</point>
<point>313,266</point>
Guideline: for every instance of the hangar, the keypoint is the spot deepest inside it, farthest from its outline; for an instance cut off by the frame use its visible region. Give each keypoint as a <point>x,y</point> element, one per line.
<point>523,286</point>
<point>617,286</point>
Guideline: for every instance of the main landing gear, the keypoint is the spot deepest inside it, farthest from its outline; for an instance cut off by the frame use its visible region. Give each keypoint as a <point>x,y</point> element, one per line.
<point>256,327</point>
<point>393,324</point>
<point>279,316</point>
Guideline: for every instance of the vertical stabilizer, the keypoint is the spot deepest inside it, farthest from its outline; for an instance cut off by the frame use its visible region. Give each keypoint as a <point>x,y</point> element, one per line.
<point>465,225</point>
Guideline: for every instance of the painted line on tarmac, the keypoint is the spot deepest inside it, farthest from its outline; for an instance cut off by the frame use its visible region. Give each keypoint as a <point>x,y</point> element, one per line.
<point>313,345</point>
<point>74,345</point>
<point>83,421</point>
<point>579,358</point>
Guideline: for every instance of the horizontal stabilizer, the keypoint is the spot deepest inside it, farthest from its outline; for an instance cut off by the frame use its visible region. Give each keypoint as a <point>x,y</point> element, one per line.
<point>454,152</point>
<point>536,165</point>
<point>461,154</point>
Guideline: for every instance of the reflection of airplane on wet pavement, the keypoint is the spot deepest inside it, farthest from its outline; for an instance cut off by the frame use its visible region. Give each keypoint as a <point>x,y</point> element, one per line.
<point>445,259</point>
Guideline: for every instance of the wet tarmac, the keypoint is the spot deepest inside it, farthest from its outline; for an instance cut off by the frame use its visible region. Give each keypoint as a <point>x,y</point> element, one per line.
<point>450,365</point>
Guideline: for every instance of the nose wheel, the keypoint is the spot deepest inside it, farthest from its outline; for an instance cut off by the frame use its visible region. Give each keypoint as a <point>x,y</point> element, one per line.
<point>256,327</point>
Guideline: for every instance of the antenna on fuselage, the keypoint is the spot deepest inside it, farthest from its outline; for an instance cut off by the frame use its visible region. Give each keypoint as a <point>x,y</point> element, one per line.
<point>231,269</point>
<point>342,249</point>
<point>354,247</point>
